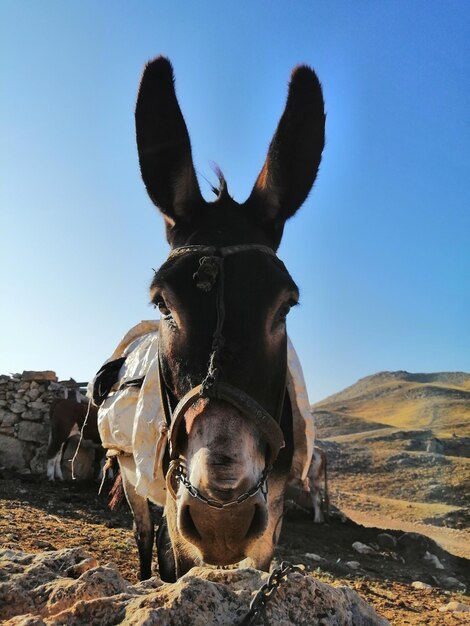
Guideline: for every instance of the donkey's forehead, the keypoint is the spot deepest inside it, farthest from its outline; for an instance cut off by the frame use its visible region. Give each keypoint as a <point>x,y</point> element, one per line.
<point>248,268</point>
<point>220,223</point>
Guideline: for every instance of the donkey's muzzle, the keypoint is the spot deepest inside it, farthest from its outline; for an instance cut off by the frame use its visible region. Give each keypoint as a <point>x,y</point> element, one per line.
<point>222,536</point>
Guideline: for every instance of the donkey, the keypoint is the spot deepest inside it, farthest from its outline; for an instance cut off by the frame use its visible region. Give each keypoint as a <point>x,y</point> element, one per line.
<point>67,417</point>
<point>313,496</point>
<point>223,297</point>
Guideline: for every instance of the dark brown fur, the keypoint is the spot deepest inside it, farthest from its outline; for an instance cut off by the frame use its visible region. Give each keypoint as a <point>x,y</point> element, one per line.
<point>258,294</point>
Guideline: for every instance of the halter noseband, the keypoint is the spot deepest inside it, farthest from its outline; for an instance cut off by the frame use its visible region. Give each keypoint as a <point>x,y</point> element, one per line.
<point>210,273</point>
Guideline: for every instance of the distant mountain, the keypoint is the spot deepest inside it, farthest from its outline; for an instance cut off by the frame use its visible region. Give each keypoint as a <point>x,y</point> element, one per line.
<point>440,401</point>
<point>398,444</point>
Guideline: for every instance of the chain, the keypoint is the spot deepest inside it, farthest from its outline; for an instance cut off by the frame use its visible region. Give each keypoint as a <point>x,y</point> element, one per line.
<point>261,485</point>
<point>265,593</point>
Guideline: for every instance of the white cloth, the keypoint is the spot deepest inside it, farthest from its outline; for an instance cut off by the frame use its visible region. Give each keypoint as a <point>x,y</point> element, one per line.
<point>131,420</point>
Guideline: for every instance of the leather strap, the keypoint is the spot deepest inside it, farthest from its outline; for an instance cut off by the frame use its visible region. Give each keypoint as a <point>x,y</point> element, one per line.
<point>223,252</point>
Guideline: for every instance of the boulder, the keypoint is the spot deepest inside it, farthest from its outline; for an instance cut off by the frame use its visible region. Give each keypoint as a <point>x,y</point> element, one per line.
<point>33,431</point>
<point>17,407</point>
<point>40,406</point>
<point>8,419</point>
<point>450,582</point>
<point>33,394</point>
<point>33,415</point>
<point>363,548</point>
<point>455,607</point>
<point>12,453</point>
<point>418,584</point>
<point>36,376</point>
<point>385,540</point>
<point>68,587</point>
<point>432,558</point>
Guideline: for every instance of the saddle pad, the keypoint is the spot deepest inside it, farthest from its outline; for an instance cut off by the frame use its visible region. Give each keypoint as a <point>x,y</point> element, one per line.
<point>131,419</point>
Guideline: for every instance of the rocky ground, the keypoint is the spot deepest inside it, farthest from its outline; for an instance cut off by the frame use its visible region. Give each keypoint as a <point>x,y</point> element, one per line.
<point>406,577</point>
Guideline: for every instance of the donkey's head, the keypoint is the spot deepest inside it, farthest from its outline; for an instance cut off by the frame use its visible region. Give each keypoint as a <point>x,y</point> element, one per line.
<point>224,296</point>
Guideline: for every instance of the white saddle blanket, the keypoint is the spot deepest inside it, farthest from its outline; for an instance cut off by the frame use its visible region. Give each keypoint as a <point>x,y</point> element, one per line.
<point>131,420</point>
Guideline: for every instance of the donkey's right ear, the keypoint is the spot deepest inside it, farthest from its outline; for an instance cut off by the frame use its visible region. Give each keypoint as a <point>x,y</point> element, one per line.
<point>293,157</point>
<point>164,147</point>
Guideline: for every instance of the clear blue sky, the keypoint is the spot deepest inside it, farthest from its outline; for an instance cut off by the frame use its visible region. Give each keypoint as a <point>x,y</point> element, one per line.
<point>381,249</point>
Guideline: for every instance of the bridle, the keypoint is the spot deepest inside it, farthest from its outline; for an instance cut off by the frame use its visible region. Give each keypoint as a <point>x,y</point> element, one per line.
<point>211,273</point>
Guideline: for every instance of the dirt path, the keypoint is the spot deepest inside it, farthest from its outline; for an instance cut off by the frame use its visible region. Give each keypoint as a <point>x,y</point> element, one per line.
<point>37,516</point>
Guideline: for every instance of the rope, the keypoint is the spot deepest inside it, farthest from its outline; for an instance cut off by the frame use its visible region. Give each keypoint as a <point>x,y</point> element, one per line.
<point>218,339</point>
<point>106,467</point>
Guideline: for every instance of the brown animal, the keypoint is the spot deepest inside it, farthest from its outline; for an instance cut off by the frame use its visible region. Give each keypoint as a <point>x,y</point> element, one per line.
<point>313,495</point>
<point>66,420</point>
<point>318,486</point>
<point>223,295</point>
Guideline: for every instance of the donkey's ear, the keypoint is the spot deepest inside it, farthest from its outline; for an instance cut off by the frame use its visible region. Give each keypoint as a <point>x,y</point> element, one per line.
<point>163,144</point>
<point>294,153</point>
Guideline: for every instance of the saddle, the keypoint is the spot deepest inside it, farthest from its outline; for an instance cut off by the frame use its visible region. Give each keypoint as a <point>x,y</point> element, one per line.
<point>131,419</point>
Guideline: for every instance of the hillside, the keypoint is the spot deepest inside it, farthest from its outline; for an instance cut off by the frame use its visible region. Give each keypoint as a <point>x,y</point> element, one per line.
<point>440,401</point>
<point>398,446</point>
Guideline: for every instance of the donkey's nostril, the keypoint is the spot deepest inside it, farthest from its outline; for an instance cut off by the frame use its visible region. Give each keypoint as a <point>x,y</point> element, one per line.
<point>187,526</point>
<point>258,523</point>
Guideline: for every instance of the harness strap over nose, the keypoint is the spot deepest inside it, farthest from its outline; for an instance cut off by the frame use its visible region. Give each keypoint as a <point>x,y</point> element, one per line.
<point>257,415</point>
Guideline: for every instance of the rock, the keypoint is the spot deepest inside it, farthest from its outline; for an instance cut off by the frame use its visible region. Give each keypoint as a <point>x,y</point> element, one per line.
<point>36,376</point>
<point>17,407</point>
<point>40,406</point>
<point>58,588</point>
<point>449,582</point>
<point>417,584</point>
<point>74,571</point>
<point>386,541</point>
<point>7,430</point>
<point>363,548</point>
<point>33,431</point>
<point>12,453</point>
<point>33,415</point>
<point>455,607</point>
<point>56,387</point>
<point>433,560</point>
<point>33,394</point>
<point>353,564</point>
<point>8,419</point>
<point>415,545</point>
<point>314,557</point>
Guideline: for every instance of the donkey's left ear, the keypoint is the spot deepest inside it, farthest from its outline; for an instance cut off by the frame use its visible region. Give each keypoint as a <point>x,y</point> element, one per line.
<point>164,147</point>
<point>294,154</point>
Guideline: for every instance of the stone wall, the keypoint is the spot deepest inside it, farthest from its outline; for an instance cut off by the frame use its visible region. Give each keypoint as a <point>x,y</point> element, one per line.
<point>25,401</point>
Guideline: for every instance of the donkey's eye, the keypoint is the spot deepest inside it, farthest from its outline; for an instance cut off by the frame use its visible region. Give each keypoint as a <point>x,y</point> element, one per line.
<point>162,307</point>
<point>284,310</point>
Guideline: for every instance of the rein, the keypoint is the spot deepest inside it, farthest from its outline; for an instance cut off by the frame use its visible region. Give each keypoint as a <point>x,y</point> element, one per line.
<point>211,272</point>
